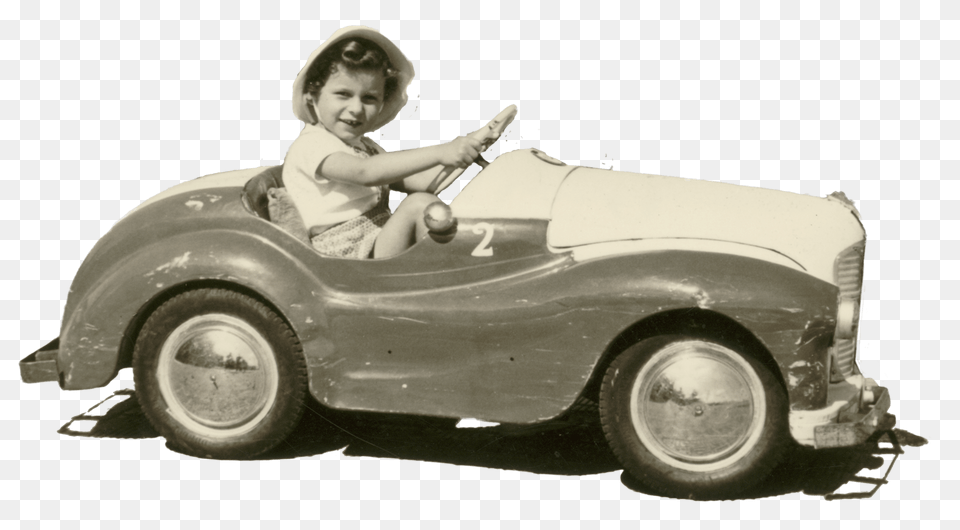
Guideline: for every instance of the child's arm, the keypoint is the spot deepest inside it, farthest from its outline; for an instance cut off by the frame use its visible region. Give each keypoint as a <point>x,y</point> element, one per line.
<point>388,168</point>
<point>437,178</point>
<point>431,180</point>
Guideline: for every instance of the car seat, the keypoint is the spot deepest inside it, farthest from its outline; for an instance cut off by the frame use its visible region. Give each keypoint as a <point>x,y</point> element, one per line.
<point>256,191</point>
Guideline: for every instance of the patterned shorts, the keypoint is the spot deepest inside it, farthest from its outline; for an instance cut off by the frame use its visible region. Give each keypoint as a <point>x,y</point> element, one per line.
<point>354,238</point>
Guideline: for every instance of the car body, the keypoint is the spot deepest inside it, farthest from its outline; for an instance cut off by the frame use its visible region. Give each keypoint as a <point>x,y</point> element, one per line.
<point>526,305</point>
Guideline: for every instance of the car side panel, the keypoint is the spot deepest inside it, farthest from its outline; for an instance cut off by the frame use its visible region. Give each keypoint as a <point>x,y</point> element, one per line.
<point>436,330</point>
<point>521,348</point>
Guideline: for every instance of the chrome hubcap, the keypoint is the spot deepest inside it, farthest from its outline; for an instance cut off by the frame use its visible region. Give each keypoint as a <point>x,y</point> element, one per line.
<point>698,406</point>
<point>217,375</point>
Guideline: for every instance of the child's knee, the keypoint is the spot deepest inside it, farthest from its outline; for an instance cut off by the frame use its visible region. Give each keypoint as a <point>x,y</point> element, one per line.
<point>414,203</point>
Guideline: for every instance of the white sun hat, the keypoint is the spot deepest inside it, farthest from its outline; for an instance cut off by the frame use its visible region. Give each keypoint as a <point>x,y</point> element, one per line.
<point>399,62</point>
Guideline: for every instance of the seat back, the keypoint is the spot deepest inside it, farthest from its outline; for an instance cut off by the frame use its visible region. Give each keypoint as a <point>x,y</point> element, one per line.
<point>255,190</point>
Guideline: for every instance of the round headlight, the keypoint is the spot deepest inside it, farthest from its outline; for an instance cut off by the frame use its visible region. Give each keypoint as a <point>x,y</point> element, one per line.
<point>847,316</point>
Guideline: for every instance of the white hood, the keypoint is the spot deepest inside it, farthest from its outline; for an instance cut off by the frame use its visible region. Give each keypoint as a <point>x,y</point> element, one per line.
<point>596,206</point>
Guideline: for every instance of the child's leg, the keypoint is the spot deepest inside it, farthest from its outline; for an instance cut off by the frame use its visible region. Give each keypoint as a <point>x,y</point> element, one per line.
<point>405,226</point>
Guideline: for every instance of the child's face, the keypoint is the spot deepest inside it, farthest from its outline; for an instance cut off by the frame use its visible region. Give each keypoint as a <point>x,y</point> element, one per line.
<point>349,102</point>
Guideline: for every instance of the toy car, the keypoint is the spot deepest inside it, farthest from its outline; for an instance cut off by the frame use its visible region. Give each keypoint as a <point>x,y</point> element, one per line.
<point>712,323</point>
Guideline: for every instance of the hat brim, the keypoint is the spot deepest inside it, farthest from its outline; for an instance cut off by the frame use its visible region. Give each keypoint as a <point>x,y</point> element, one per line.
<point>398,60</point>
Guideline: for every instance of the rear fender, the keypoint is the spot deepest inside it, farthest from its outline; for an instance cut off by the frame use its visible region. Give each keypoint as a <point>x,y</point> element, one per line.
<point>102,311</point>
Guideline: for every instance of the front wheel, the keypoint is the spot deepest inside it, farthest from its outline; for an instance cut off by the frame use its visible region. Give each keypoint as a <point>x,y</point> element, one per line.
<point>219,374</point>
<point>693,418</point>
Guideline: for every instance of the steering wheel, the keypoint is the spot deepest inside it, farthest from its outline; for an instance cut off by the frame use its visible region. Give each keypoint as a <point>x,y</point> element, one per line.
<point>491,133</point>
<point>487,135</point>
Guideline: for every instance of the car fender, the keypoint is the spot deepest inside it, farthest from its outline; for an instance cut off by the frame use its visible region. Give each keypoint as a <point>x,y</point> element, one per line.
<point>111,291</point>
<point>790,313</point>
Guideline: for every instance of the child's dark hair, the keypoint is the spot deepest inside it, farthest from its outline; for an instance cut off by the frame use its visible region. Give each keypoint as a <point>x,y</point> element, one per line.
<point>357,54</point>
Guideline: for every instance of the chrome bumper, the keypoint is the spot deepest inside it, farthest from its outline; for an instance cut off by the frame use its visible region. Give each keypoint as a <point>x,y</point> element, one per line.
<point>853,428</point>
<point>41,365</point>
<point>857,409</point>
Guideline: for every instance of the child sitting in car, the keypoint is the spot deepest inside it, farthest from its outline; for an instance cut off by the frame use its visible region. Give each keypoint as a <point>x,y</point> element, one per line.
<point>339,179</point>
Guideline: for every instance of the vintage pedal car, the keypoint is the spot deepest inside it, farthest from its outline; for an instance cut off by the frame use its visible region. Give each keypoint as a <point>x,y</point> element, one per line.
<point>713,323</point>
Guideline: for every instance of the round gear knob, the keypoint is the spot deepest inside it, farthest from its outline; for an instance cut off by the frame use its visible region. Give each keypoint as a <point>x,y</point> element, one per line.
<point>438,217</point>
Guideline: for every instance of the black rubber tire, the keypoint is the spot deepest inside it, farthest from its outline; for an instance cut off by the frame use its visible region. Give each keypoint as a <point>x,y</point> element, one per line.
<point>659,473</point>
<point>291,372</point>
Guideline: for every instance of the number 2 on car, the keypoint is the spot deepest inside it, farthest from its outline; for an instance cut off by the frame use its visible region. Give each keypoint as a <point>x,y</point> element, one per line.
<point>484,248</point>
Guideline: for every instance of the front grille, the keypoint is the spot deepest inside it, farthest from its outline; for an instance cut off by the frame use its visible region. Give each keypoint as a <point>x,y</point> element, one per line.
<point>849,276</point>
<point>844,351</point>
<point>850,273</point>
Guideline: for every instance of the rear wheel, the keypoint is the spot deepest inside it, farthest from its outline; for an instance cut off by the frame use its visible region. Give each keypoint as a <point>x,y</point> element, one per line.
<point>693,418</point>
<point>219,374</point>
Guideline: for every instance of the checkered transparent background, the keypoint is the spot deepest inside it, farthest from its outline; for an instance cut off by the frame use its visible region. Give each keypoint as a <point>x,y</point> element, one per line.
<point>103,105</point>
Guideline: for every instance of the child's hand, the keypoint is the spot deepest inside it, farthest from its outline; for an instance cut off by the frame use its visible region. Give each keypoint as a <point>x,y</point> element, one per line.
<point>460,152</point>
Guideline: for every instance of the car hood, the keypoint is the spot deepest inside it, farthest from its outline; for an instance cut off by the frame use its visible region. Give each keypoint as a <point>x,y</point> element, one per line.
<point>594,206</point>
<point>599,213</point>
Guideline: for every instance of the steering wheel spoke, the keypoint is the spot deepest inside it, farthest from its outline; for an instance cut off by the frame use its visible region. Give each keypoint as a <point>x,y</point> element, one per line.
<point>491,132</point>
<point>488,135</point>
